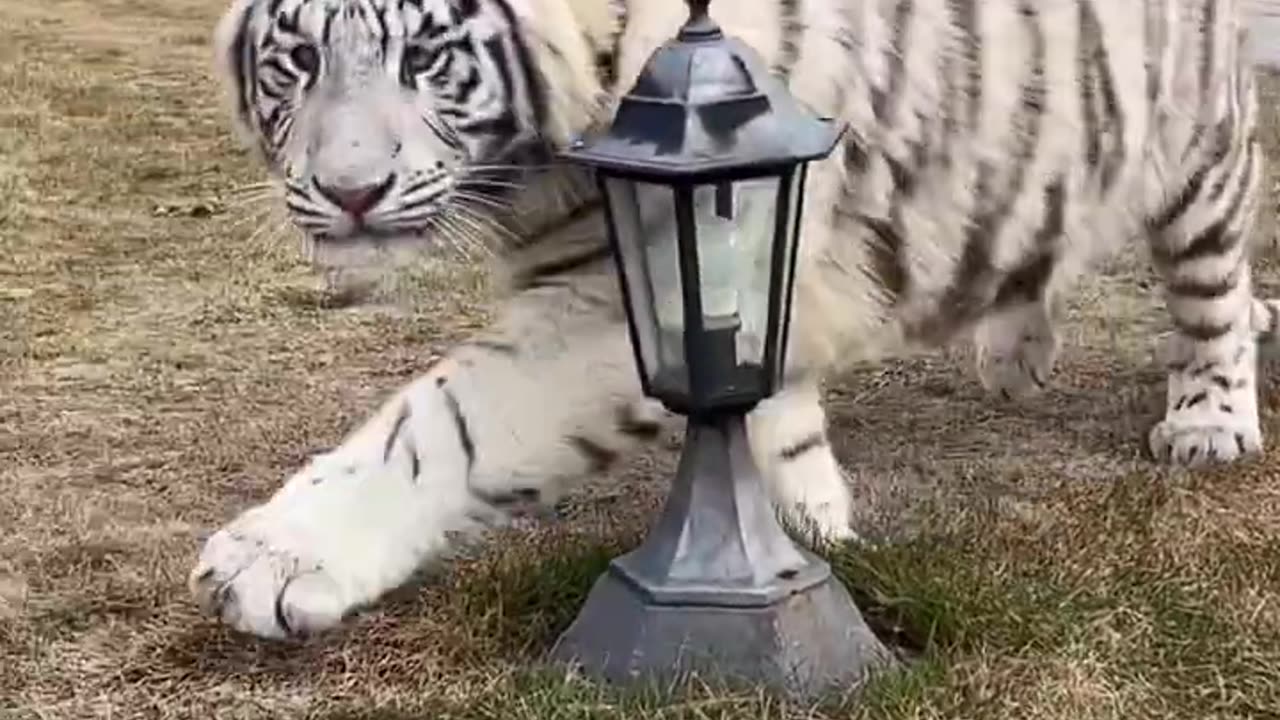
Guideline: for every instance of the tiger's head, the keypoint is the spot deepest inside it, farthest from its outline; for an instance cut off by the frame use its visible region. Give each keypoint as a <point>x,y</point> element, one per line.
<point>392,120</point>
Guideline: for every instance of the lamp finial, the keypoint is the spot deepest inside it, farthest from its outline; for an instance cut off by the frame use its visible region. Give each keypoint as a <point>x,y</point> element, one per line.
<point>699,26</point>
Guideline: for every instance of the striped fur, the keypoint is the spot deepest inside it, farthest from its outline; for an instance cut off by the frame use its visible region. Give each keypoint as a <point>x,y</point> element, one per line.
<point>996,149</point>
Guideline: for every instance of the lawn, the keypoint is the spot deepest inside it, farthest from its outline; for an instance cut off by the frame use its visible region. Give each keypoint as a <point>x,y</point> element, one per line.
<point>167,357</point>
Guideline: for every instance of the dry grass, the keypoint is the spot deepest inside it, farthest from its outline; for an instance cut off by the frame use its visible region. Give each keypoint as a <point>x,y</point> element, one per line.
<point>166,358</point>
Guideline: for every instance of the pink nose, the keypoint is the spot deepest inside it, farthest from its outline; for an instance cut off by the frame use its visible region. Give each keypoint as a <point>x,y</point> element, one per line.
<point>356,200</point>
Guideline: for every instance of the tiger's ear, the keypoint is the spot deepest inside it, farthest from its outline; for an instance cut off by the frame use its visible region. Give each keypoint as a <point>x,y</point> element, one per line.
<point>235,61</point>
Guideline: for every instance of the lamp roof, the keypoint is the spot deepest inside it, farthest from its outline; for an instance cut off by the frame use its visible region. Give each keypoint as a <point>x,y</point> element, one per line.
<point>706,105</point>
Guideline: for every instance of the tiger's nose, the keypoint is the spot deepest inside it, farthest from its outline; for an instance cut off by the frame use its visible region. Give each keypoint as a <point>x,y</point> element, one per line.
<point>355,199</point>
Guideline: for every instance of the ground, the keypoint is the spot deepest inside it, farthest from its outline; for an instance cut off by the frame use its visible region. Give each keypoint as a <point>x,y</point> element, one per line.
<point>166,358</point>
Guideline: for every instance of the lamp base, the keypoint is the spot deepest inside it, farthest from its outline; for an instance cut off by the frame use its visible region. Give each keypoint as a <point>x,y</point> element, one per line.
<point>803,645</point>
<point>719,589</point>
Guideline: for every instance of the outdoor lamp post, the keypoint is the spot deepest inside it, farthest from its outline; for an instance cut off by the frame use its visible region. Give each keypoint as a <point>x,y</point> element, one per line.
<point>703,174</point>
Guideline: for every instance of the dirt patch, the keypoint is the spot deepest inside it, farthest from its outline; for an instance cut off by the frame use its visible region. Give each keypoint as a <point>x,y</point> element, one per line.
<point>166,358</point>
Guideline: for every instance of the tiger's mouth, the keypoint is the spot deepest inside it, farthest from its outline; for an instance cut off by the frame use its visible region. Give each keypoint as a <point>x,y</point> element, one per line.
<point>463,214</point>
<point>445,233</point>
<point>369,248</point>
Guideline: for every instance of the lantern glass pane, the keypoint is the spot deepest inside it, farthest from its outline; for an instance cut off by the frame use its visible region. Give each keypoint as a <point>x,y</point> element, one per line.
<point>735,234</point>
<point>644,219</point>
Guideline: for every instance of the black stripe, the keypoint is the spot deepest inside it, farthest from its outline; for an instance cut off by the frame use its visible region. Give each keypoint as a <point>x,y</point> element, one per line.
<point>504,501</point>
<point>886,253</point>
<point>1204,290</point>
<point>467,85</point>
<point>1208,28</point>
<point>326,32</point>
<point>1214,241</point>
<point>1217,239</point>
<point>1027,283</point>
<point>532,276</point>
<point>281,619</point>
<point>1246,148</point>
<point>288,21</point>
<point>629,423</point>
<point>273,63</point>
<point>806,444</point>
<point>1201,331</point>
<point>886,243</point>
<point>884,100</point>
<point>495,346</point>
<point>430,29</point>
<point>971,289</point>
<point>1088,31</point>
<point>460,423</point>
<point>789,43</point>
<point>1190,191</point>
<point>607,55</point>
<point>394,435</point>
<point>952,94</point>
<point>383,32</point>
<point>964,17</point>
<point>598,456</point>
<point>465,10</point>
<point>503,127</point>
<point>534,88</point>
<point>414,465</point>
<point>1155,45</point>
<point>1113,119</point>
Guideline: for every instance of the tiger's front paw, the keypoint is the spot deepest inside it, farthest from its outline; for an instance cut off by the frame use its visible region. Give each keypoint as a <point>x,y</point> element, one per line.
<point>260,579</point>
<point>336,537</point>
<point>813,494</point>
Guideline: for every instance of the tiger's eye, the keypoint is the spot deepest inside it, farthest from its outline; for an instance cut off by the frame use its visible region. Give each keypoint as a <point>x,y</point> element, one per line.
<point>305,57</point>
<point>417,60</point>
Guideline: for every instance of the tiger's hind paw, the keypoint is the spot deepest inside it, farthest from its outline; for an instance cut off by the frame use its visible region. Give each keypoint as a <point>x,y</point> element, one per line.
<point>1192,444</point>
<point>1212,405</point>
<point>1016,351</point>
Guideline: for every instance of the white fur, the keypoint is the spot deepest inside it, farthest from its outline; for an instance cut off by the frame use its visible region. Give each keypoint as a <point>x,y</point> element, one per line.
<point>354,523</point>
<point>317,550</point>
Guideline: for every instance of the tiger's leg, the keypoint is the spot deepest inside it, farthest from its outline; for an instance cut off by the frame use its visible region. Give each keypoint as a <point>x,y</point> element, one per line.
<point>499,426</point>
<point>1016,347</point>
<point>1199,243</point>
<point>788,435</point>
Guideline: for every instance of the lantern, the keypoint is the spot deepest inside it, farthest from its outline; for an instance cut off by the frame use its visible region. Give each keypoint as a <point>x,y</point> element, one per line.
<point>703,173</point>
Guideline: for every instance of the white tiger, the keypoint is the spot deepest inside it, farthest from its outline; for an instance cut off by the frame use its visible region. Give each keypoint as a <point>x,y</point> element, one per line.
<point>996,148</point>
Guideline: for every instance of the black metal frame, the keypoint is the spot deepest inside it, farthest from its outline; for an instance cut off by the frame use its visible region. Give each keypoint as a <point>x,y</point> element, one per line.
<point>707,388</point>
<point>668,131</point>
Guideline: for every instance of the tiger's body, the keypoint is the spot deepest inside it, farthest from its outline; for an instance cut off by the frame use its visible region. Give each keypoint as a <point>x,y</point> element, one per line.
<point>996,149</point>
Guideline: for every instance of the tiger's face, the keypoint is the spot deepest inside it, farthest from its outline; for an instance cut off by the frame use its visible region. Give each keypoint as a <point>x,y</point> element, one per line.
<point>384,119</point>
